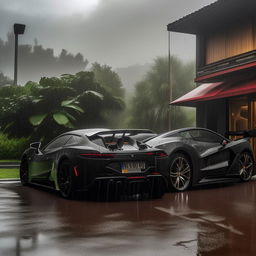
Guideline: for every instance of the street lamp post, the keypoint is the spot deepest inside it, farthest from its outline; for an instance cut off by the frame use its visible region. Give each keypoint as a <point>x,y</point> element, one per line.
<point>18,30</point>
<point>170,84</point>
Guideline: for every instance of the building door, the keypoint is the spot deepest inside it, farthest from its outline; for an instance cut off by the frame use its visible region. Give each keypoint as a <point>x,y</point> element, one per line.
<point>239,114</point>
<point>242,116</point>
<point>253,123</point>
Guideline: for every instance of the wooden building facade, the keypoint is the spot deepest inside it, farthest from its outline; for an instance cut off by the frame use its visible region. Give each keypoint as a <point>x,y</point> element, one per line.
<point>225,98</point>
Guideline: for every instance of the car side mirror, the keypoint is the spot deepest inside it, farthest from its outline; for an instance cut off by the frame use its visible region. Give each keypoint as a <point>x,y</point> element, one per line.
<point>224,143</point>
<point>35,145</point>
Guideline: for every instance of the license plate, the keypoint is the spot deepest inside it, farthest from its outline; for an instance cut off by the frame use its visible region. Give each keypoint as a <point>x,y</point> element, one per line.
<point>130,167</point>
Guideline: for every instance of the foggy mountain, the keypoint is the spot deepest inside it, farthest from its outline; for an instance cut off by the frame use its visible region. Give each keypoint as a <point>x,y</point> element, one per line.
<point>35,61</point>
<point>118,33</point>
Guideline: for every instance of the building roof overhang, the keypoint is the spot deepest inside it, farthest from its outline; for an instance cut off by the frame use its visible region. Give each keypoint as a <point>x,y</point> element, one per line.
<point>214,91</point>
<point>216,14</point>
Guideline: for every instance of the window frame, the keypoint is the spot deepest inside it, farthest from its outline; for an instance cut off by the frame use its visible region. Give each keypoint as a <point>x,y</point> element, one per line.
<point>206,131</point>
<point>45,149</point>
<point>73,136</point>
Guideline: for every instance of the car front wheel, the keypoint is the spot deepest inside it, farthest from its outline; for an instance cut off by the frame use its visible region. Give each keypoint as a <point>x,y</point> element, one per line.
<point>180,172</point>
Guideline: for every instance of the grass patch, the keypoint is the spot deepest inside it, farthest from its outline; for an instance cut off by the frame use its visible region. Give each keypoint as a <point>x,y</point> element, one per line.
<point>9,173</point>
<point>9,160</point>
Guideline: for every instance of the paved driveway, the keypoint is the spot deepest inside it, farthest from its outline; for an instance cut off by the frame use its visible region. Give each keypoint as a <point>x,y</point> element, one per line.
<point>217,220</point>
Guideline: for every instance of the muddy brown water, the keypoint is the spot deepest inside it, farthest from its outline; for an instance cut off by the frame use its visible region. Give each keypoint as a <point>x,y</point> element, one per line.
<point>217,220</point>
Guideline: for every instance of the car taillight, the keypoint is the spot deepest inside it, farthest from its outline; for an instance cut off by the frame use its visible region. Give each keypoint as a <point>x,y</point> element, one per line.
<point>98,155</point>
<point>161,154</point>
<point>150,153</point>
<point>158,154</point>
<point>155,173</point>
<point>136,177</point>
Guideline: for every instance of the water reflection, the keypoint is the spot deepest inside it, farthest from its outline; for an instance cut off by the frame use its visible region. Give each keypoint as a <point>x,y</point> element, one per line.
<point>26,243</point>
<point>210,221</point>
<point>223,217</point>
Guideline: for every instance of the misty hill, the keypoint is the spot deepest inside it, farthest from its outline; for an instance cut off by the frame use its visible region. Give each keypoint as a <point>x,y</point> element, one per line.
<point>35,61</point>
<point>131,75</point>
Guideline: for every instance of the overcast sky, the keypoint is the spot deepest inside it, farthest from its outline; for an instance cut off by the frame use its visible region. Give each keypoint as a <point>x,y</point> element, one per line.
<point>114,32</point>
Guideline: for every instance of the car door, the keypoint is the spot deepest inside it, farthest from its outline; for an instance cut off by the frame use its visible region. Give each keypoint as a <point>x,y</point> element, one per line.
<point>43,162</point>
<point>215,155</point>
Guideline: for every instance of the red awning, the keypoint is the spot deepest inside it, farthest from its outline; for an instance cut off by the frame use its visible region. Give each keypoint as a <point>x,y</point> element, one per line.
<point>207,92</point>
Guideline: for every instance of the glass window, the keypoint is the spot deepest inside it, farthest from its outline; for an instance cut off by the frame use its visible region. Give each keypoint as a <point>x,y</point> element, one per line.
<point>59,142</point>
<point>74,140</point>
<point>238,114</point>
<point>203,136</point>
<point>185,135</point>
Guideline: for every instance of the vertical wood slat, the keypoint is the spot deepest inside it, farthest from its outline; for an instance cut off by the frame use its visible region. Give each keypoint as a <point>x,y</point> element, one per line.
<point>216,48</point>
<point>232,42</point>
<point>239,40</point>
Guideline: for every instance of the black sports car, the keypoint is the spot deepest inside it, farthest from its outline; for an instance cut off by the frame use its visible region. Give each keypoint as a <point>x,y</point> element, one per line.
<point>107,164</point>
<point>199,156</point>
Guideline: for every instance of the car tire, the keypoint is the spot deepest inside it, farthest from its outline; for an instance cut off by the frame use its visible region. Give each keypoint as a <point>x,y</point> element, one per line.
<point>24,172</point>
<point>179,172</point>
<point>66,180</point>
<point>246,166</point>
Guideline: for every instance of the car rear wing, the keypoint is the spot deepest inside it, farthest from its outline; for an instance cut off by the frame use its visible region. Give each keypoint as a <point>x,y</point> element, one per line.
<point>125,135</point>
<point>124,132</point>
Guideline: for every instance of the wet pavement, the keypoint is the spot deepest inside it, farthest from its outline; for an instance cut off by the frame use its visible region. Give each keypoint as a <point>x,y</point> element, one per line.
<point>218,220</point>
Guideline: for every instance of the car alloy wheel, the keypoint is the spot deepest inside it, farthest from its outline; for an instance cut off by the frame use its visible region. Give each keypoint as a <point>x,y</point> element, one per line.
<point>65,179</point>
<point>246,165</point>
<point>180,172</point>
<point>24,171</point>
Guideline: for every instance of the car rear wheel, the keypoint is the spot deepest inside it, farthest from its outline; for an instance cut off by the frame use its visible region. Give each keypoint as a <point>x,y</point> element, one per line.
<point>180,172</point>
<point>65,179</point>
<point>246,165</point>
<point>24,172</point>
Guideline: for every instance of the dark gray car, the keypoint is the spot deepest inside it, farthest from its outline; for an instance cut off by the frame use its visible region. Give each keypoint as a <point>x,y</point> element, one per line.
<point>198,156</point>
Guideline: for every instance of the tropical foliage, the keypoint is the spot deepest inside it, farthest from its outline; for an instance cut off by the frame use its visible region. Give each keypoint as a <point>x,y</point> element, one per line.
<point>111,82</point>
<point>54,105</point>
<point>11,148</point>
<point>150,104</point>
<point>41,111</point>
<point>109,79</point>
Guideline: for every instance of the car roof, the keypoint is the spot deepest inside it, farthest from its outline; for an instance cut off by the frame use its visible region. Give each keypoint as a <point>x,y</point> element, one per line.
<point>188,129</point>
<point>86,132</point>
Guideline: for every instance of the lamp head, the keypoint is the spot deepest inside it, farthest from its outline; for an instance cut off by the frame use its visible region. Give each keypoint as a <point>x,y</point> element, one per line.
<point>19,29</point>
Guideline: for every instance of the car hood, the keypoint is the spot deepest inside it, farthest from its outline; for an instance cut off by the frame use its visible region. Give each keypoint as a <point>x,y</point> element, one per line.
<point>160,141</point>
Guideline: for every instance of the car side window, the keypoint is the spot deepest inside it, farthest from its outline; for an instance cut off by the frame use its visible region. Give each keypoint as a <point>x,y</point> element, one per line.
<point>73,140</point>
<point>205,136</point>
<point>185,135</point>
<point>59,142</point>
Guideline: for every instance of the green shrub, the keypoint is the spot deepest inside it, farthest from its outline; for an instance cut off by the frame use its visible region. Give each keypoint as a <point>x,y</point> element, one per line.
<point>12,148</point>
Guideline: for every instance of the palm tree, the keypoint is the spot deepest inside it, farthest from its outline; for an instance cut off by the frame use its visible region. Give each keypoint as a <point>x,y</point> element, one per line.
<point>150,105</point>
